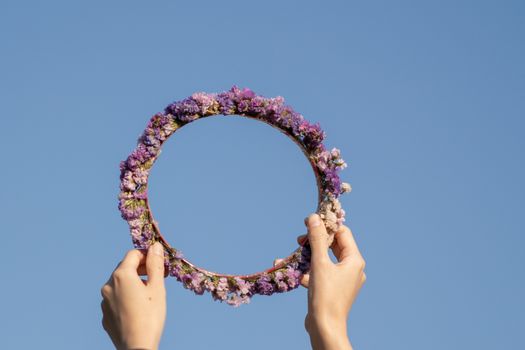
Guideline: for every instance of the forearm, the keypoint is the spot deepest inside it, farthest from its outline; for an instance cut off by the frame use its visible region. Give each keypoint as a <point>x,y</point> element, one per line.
<point>329,337</point>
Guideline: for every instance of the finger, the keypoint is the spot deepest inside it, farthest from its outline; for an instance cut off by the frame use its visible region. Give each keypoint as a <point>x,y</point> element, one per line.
<point>106,291</point>
<point>132,260</point>
<point>104,306</point>
<point>109,282</point>
<point>305,280</point>
<point>155,264</point>
<point>143,272</point>
<point>277,262</point>
<point>120,263</point>
<point>346,243</point>
<point>105,315</point>
<point>110,279</point>
<point>317,236</point>
<point>336,249</point>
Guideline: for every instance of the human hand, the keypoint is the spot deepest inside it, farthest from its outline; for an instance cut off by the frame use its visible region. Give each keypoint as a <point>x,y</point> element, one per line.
<point>332,287</point>
<point>134,310</point>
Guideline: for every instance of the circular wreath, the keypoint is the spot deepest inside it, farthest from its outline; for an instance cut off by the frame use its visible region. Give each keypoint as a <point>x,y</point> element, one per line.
<point>135,209</point>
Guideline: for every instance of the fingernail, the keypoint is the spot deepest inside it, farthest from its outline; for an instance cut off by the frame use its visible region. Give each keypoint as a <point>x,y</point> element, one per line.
<point>158,249</point>
<point>314,220</point>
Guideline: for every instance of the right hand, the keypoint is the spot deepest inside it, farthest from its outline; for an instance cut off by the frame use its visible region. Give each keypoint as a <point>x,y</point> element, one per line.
<point>332,287</point>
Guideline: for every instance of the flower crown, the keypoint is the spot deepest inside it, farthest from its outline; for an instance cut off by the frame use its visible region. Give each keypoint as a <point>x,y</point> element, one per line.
<point>135,209</point>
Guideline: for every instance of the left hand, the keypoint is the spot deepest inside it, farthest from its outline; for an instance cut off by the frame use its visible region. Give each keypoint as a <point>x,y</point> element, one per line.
<point>134,310</point>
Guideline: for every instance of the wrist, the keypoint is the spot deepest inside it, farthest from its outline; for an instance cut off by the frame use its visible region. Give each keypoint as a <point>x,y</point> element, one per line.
<point>140,337</point>
<point>138,346</point>
<point>327,333</point>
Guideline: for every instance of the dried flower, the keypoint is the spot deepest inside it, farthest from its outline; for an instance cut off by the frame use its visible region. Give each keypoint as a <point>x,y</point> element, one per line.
<point>133,197</point>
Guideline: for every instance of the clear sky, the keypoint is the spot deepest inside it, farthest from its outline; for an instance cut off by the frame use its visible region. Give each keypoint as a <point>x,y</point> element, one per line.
<point>425,99</point>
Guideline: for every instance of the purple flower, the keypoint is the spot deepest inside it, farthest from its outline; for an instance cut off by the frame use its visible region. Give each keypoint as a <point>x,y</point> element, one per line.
<point>127,182</point>
<point>197,279</point>
<point>147,232</point>
<point>243,106</point>
<point>162,120</point>
<point>154,150</point>
<point>208,285</point>
<point>130,212</point>
<point>243,98</point>
<point>123,166</point>
<point>332,182</point>
<point>178,254</point>
<point>136,232</point>
<point>221,291</point>
<point>293,277</point>
<point>175,270</point>
<point>322,160</point>
<point>126,195</point>
<point>314,136</point>
<point>149,138</point>
<point>140,176</point>
<point>295,123</point>
<point>184,111</point>
<point>243,287</point>
<point>264,286</point>
<point>226,104</point>
<point>186,280</point>
<point>304,258</point>
<point>135,223</point>
<point>235,300</point>
<point>157,120</point>
<point>257,105</point>
<point>134,172</point>
<point>282,286</point>
<point>204,100</point>
<point>140,243</point>
<point>246,94</point>
<point>159,134</point>
<point>141,195</point>
<point>293,264</point>
<point>194,281</point>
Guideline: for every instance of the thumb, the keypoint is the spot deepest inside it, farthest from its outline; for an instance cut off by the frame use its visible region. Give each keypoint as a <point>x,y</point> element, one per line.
<point>155,264</point>
<point>317,236</point>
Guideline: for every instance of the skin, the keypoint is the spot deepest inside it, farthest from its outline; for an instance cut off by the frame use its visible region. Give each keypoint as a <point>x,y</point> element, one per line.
<point>134,310</point>
<point>332,287</point>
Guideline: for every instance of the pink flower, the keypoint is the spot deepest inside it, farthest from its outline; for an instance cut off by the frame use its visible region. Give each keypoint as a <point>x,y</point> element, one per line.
<point>134,172</point>
<point>204,100</point>
<point>221,291</point>
<point>140,176</point>
<point>244,287</point>
<point>127,182</point>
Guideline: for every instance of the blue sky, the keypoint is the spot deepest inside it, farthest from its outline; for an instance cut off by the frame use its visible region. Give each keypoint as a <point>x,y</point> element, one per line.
<point>425,100</point>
